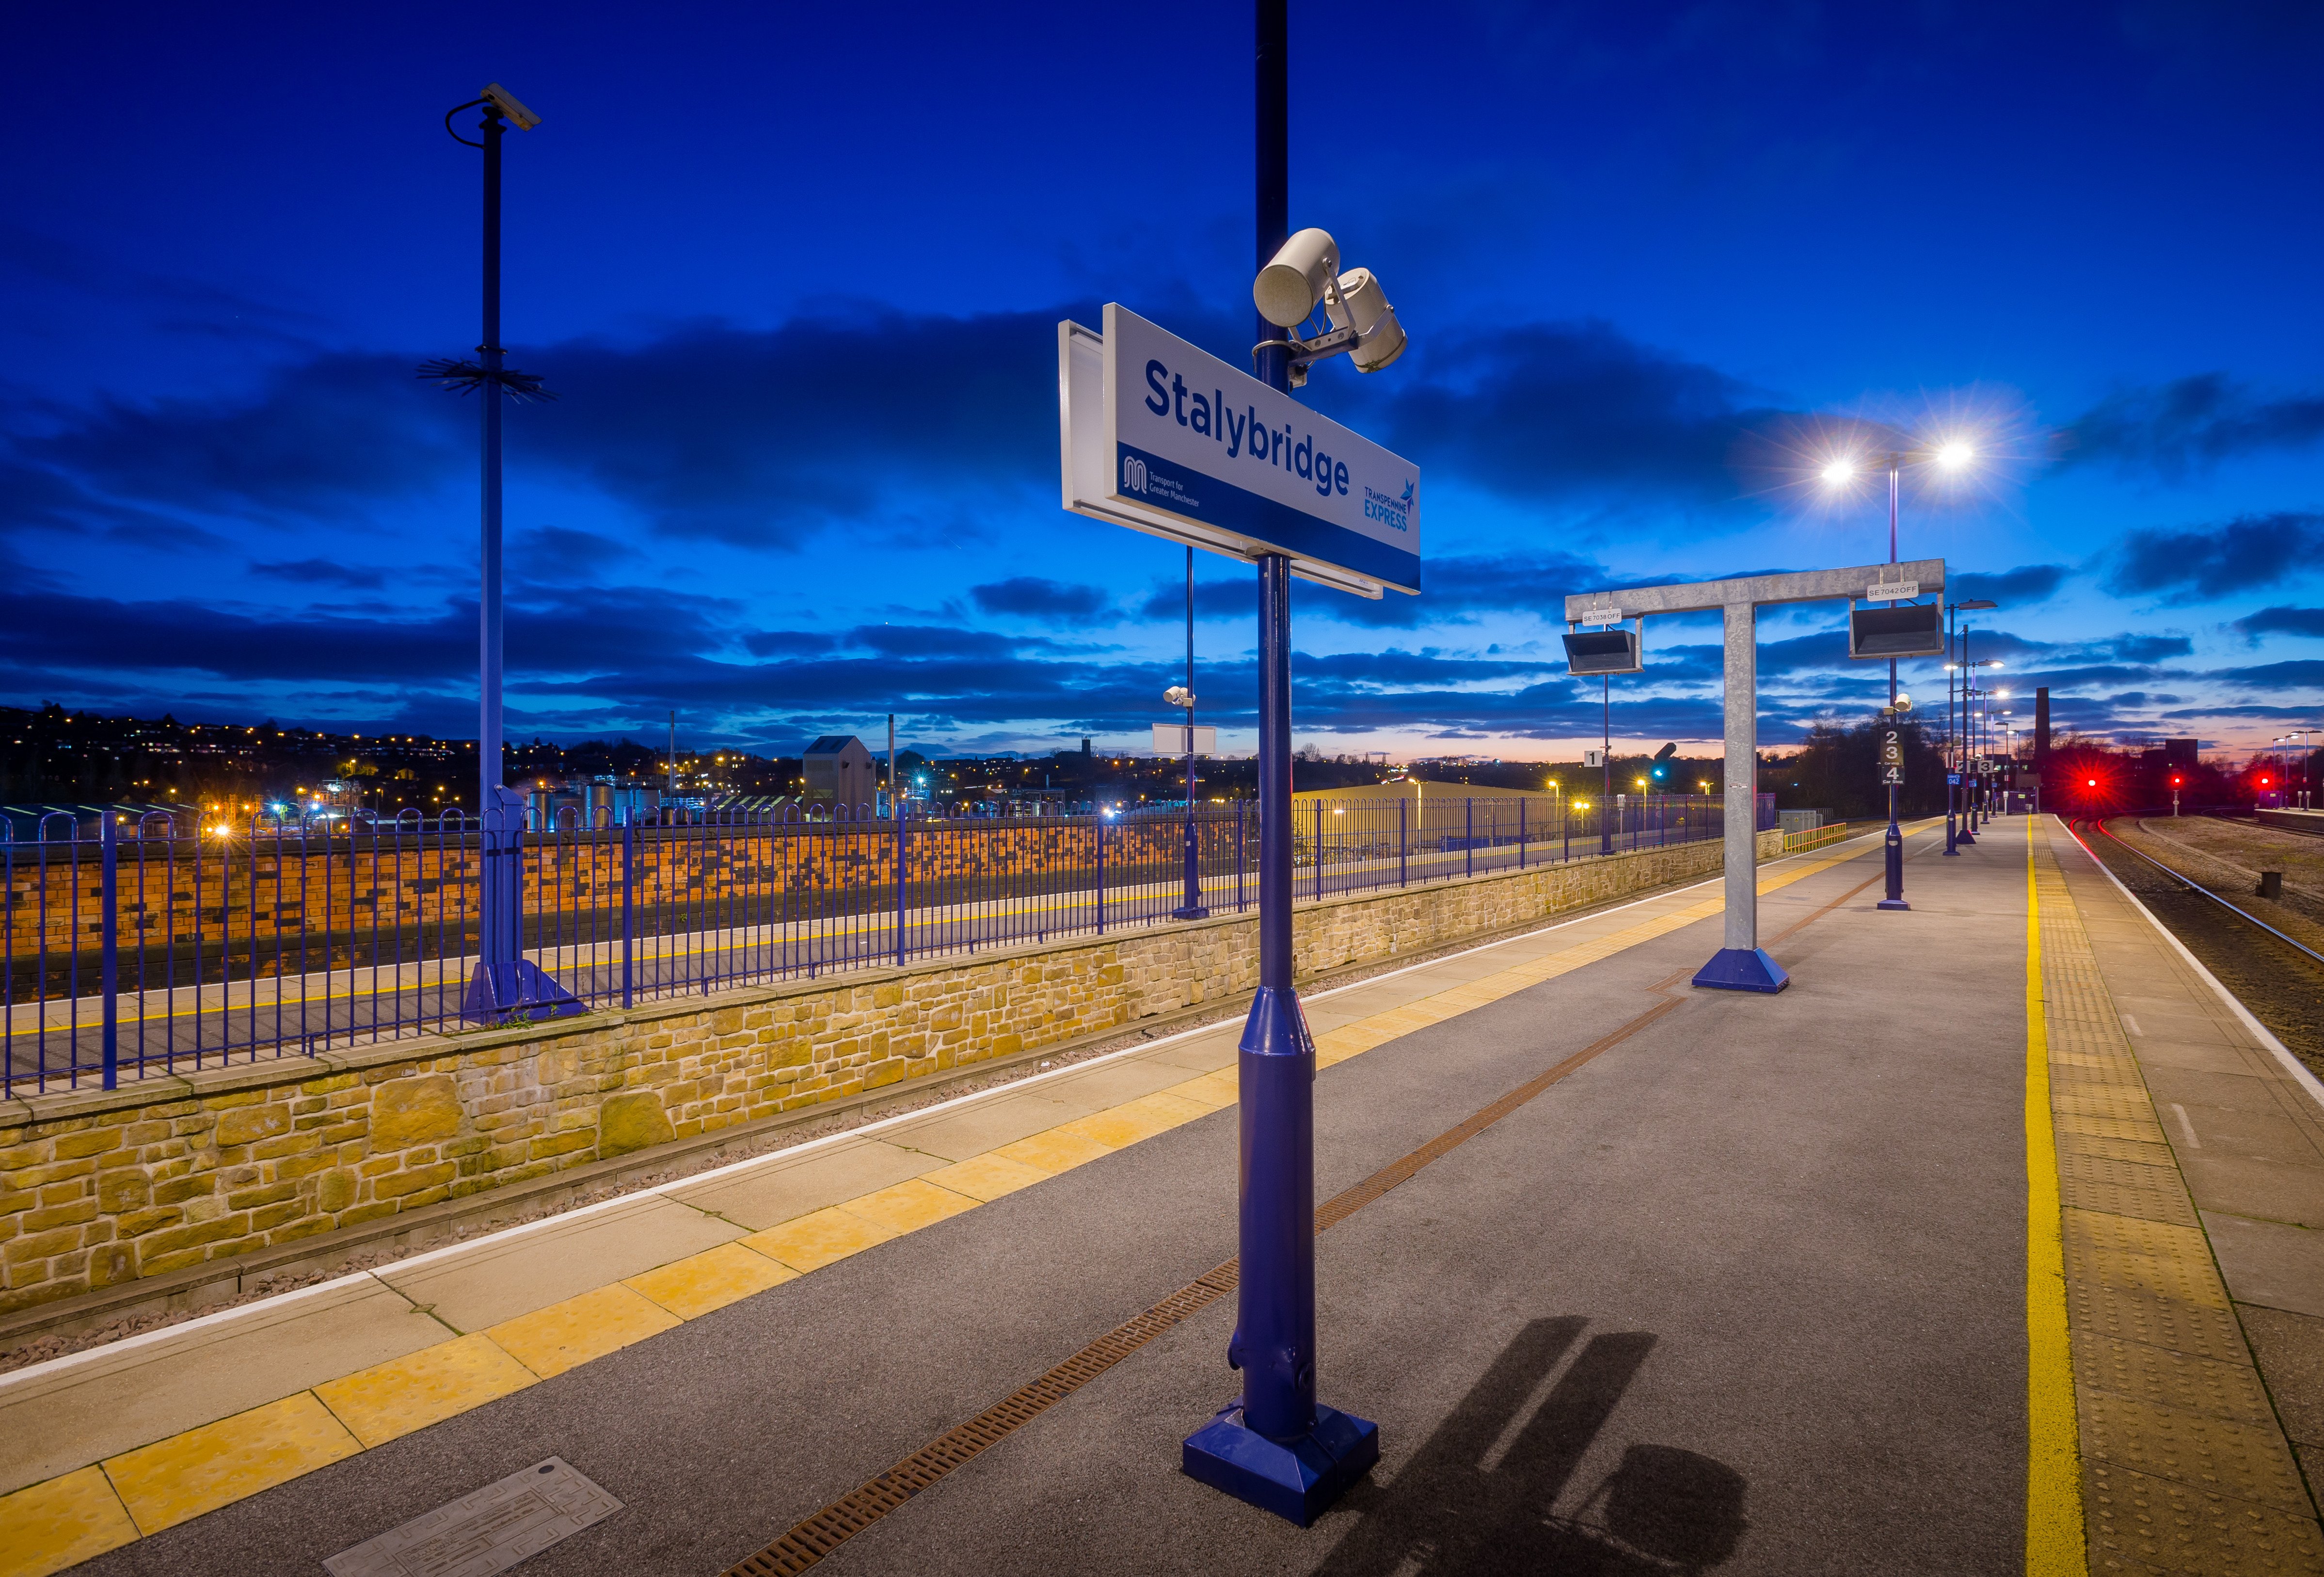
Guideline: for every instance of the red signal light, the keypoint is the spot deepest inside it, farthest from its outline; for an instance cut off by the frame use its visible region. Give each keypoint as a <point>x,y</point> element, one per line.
<point>2093,782</point>
<point>2263,782</point>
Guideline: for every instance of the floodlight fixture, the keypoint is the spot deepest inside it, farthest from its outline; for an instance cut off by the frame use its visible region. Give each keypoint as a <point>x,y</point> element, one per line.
<point>1304,268</point>
<point>1304,275</point>
<point>1954,455</point>
<point>1840,472</point>
<point>502,100</point>
<point>1977,605</point>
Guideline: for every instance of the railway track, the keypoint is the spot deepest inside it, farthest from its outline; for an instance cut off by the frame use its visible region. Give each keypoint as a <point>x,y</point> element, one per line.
<point>2279,977</point>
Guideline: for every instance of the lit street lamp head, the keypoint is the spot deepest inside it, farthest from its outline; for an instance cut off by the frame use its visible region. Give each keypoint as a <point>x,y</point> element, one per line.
<point>1840,472</point>
<point>1955,454</point>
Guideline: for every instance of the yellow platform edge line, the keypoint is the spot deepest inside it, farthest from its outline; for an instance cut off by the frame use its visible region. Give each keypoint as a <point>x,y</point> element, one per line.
<point>2054,1533</point>
<point>1390,1024</point>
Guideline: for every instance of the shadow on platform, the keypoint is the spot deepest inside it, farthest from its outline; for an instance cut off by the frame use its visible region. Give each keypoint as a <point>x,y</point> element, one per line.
<point>1467,1503</point>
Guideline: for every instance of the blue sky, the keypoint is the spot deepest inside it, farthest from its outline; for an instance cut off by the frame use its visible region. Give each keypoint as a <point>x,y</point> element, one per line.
<point>795,273</point>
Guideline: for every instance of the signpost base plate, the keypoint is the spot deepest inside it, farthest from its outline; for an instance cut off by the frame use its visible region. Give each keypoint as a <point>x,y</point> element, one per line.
<point>1295,1479</point>
<point>1742,969</point>
<point>521,986</point>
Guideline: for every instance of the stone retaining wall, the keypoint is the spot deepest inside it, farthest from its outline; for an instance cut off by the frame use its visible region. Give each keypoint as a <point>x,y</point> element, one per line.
<point>101,1187</point>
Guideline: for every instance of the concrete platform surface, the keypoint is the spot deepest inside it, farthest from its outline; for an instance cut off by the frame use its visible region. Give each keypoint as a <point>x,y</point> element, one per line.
<point>1748,1291</point>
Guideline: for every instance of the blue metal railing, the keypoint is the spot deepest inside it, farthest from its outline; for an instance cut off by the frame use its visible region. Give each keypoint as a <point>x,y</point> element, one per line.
<point>132,944</point>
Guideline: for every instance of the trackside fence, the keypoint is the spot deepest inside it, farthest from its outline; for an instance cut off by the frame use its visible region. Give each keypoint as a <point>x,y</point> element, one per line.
<point>133,946</point>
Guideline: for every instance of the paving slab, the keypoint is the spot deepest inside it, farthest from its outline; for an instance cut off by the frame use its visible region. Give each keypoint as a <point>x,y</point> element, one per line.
<point>785,1186</point>
<point>2271,1263</point>
<point>58,1416</point>
<point>475,1288</point>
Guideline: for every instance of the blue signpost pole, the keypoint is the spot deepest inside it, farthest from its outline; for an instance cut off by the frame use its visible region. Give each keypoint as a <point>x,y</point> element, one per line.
<point>1276,1447</point>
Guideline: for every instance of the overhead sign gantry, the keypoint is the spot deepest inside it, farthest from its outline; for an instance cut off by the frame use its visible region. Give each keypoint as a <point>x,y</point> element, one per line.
<point>1742,964</point>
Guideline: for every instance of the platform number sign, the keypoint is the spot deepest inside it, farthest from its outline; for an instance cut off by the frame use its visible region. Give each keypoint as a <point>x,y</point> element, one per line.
<point>1892,757</point>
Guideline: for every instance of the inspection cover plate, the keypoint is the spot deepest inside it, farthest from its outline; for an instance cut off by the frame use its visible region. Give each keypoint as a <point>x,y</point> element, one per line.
<point>484,1532</point>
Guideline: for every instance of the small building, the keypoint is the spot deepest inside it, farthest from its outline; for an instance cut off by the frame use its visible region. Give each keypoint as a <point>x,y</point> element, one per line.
<point>839,771</point>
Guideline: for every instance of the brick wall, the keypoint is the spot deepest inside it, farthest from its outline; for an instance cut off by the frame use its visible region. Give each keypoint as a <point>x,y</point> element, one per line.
<point>98,1188</point>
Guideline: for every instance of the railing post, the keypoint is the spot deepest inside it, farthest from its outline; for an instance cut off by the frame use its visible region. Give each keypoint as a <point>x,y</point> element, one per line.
<point>901,872</point>
<point>1521,834</point>
<point>109,975</point>
<point>1469,836</point>
<point>628,911</point>
<point>1319,850</point>
<point>1241,808</point>
<point>1101,872</point>
<point>1403,844</point>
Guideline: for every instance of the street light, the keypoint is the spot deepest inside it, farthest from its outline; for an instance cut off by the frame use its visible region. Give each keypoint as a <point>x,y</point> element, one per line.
<point>1954,455</point>
<point>1957,757</point>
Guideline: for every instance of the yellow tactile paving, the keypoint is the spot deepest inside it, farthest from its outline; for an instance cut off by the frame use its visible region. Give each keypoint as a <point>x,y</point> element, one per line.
<point>695,1286</point>
<point>907,1207</point>
<point>404,1393</point>
<point>47,1527</point>
<point>550,1341</point>
<point>2186,1468</point>
<point>813,1241</point>
<point>173,1480</point>
<point>1056,1150</point>
<point>986,1177</point>
<point>68,1519</point>
<point>1214,1090</point>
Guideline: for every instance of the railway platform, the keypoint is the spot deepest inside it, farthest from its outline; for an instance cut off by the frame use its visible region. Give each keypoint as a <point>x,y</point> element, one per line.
<point>1984,1248</point>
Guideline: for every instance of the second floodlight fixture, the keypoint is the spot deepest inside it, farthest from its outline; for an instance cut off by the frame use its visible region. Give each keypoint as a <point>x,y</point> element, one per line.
<point>1304,275</point>
<point>502,100</point>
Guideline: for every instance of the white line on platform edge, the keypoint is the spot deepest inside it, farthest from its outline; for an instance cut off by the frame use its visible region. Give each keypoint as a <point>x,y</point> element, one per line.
<point>472,1245</point>
<point>2298,1070</point>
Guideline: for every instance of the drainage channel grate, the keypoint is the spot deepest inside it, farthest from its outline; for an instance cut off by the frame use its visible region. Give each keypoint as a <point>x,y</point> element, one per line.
<point>484,1532</point>
<point>810,1541</point>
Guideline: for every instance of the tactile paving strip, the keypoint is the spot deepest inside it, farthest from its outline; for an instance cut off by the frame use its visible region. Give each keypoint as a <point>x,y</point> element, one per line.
<point>2141,1523</point>
<point>2186,1465</point>
<point>2093,1183</point>
<point>2145,1373</point>
<point>2215,1455</point>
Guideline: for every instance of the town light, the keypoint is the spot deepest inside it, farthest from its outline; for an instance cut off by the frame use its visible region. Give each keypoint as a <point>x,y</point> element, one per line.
<point>1955,454</point>
<point>1840,472</point>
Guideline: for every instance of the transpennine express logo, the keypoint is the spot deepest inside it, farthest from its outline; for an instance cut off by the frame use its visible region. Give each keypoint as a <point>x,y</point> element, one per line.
<point>1396,514</point>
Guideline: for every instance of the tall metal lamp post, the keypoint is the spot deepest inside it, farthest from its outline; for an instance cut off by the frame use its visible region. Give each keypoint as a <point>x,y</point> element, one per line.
<point>1952,455</point>
<point>1956,752</point>
<point>504,981</point>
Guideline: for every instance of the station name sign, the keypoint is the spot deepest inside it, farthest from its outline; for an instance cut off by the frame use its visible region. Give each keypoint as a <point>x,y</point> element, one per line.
<point>1165,438</point>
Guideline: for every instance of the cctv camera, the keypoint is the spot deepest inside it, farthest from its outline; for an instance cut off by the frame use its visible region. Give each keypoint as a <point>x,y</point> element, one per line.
<point>1903,702</point>
<point>1178,696</point>
<point>502,100</point>
<point>1359,302</point>
<point>1289,288</point>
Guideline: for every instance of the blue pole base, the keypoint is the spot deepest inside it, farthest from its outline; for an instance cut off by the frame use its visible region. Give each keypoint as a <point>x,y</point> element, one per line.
<point>518,986</point>
<point>1296,1480</point>
<point>1892,903</point>
<point>1742,969</point>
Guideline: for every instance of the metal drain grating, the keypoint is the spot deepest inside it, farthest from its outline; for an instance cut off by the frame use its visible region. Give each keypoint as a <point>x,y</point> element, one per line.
<point>810,1541</point>
<point>484,1532</point>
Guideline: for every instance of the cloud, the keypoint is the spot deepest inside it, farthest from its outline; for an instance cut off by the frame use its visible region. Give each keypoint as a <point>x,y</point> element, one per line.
<point>2011,588</point>
<point>2281,620</point>
<point>2214,561</point>
<point>2302,673</point>
<point>2186,425</point>
<point>323,572</point>
<point>1551,410</point>
<point>1029,595</point>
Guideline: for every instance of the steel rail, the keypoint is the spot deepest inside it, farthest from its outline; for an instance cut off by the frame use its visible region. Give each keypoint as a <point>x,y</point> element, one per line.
<point>2207,893</point>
